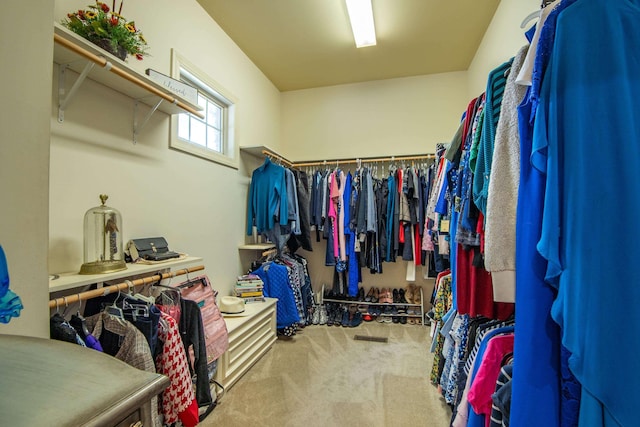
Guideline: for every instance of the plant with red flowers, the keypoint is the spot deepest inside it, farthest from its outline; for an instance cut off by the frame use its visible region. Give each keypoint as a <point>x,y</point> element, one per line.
<point>100,24</point>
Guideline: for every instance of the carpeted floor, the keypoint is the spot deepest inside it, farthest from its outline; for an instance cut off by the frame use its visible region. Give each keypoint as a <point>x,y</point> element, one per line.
<point>323,377</point>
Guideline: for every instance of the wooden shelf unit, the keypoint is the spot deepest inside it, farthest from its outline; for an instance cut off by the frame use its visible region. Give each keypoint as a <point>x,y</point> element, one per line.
<point>71,280</point>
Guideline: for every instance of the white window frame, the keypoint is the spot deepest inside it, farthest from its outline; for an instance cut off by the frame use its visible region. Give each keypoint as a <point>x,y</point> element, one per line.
<point>230,149</point>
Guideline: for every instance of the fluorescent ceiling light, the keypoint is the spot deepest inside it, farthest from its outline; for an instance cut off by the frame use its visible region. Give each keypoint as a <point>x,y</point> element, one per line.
<point>361,17</point>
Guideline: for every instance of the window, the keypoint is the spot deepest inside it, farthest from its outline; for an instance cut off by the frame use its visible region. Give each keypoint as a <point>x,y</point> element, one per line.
<point>212,137</point>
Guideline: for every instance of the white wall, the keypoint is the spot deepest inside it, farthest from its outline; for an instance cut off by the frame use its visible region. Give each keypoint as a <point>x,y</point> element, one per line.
<point>379,118</point>
<point>24,158</point>
<point>199,206</point>
<point>501,41</point>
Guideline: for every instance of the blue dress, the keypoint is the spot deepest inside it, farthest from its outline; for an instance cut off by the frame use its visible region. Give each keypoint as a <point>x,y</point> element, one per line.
<point>535,392</point>
<point>591,100</point>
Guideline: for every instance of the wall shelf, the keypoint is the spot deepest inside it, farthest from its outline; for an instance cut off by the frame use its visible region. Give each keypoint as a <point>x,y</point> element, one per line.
<point>72,280</point>
<point>257,246</point>
<point>72,52</point>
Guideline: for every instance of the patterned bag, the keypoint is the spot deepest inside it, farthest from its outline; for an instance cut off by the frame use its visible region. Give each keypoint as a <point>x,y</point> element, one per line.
<point>215,329</point>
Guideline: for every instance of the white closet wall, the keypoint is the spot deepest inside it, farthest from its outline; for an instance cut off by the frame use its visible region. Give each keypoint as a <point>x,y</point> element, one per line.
<point>24,158</point>
<point>197,205</point>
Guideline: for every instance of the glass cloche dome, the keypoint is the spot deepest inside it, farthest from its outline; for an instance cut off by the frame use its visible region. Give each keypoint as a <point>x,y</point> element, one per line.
<point>102,240</point>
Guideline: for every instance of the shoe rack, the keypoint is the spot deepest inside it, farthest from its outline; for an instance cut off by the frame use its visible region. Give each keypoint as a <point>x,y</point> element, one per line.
<point>351,300</point>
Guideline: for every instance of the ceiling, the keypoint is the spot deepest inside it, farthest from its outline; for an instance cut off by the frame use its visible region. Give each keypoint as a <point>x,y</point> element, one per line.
<point>300,44</point>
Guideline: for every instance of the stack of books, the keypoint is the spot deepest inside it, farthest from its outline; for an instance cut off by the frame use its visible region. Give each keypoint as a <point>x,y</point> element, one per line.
<point>249,288</point>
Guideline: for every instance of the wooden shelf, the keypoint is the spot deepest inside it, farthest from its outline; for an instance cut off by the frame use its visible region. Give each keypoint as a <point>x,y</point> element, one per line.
<point>257,246</point>
<point>72,280</point>
<point>126,82</point>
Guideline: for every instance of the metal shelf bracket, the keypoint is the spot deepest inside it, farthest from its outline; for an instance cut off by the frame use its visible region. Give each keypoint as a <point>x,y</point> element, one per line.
<point>65,98</point>
<point>137,127</point>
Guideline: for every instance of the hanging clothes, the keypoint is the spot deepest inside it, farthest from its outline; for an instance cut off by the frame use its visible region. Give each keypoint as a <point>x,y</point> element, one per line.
<point>504,178</point>
<point>494,94</point>
<point>573,86</point>
<point>276,285</point>
<point>125,342</point>
<point>178,399</point>
<point>267,203</point>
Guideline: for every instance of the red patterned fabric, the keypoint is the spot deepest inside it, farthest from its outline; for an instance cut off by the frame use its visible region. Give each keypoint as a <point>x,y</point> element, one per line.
<point>178,399</point>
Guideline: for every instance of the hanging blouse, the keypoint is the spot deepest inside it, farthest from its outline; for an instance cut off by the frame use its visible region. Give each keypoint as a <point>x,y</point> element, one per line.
<point>178,399</point>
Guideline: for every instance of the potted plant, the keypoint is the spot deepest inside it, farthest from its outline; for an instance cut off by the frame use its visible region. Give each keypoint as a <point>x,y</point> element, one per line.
<point>108,29</point>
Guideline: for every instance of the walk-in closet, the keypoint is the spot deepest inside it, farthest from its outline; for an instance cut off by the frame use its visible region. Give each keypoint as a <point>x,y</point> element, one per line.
<point>319,213</point>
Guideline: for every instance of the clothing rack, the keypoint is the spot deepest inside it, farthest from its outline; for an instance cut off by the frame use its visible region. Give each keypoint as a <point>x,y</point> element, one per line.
<point>348,160</point>
<point>278,158</point>
<point>365,160</point>
<point>95,293</point>
<point>269,252</point>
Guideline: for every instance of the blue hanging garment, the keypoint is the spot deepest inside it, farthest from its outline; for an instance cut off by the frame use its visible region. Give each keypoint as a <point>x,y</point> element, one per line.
<point>10,304</point>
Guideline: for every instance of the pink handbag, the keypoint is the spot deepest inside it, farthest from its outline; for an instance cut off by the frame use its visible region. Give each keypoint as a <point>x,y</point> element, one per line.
<point>215,329</point>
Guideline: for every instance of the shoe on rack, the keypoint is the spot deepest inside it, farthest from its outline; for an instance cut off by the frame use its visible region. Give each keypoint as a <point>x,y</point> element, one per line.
<point>363,308</point>
<point>355,320</point>
<point>329,310</point>
<point>417,292</point>
<point>374,310</point>
<point>376,295</point>
<point>401,297</point>
<point>403,320</point>
<point>367,317</point>
<point>315,317</point>
<point>360,295</point>
<point>369,295</point>
<point>346,319</point>
<point>395,296</point>
<point>322,318</point>
<point>409,293</point>
<point>387,296</point>
<point>335,315</point>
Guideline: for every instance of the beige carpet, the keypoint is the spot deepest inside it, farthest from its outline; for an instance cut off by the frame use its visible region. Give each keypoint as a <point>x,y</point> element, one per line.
<point>323,377</point>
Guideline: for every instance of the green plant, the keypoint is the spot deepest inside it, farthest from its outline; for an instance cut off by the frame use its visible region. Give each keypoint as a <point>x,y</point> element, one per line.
<point>100,22</point>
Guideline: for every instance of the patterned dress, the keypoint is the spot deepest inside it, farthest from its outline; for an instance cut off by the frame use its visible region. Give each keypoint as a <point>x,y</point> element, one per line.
<point>443,303</point>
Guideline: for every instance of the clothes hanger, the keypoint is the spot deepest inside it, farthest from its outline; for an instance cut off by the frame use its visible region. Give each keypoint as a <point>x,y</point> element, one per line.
<point>530,17</point>
<point>78,322</point>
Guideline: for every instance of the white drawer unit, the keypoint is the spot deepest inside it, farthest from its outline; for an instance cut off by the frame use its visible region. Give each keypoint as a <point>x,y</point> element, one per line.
<point>250,337</point>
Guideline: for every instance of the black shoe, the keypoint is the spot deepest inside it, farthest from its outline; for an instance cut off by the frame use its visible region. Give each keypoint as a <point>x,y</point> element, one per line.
<point>356,320</point>
<point>369,297</point>
<point>401,298</point>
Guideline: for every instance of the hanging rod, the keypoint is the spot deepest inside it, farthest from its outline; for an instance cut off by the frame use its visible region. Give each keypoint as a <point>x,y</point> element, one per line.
<point>101,61</point>
<point>348,160</point>
<point>94,293</point>
<point>364,160</point>
<point>278,157</point>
